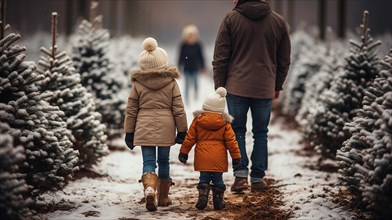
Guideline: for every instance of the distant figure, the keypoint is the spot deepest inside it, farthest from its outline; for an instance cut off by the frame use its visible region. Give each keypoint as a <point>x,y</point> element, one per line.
<point>212,133</point>
<point>251,60</point>
<point>154,112</point>
<point>191,59</point>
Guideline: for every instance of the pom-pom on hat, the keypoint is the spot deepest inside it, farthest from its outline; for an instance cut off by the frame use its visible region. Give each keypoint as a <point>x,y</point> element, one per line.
<point>153,57</point>
<point>216,102</point>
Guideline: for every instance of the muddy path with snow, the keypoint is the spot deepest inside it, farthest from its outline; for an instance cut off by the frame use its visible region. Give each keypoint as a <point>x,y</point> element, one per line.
<point>246,205</point>
<point>299,189</point>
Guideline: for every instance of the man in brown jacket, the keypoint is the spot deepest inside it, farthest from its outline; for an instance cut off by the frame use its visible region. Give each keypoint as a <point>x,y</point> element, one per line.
<point>251,60</point>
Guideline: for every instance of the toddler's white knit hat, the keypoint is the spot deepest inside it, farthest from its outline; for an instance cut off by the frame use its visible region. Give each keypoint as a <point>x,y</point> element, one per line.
<point>153,57</point>
<point>216,102</point>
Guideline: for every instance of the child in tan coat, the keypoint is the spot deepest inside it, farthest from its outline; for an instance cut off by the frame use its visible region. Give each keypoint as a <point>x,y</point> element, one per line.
<point>212,133</point>
<point>154,113</point>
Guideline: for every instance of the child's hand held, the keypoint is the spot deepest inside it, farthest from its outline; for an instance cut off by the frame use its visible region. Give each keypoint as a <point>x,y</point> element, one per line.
<point>183,158</point>
<point>129,140</point>
<point>180,137</point>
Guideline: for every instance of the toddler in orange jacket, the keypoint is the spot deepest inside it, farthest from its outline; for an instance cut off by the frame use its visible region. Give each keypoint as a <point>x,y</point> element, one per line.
<point>213,135</point>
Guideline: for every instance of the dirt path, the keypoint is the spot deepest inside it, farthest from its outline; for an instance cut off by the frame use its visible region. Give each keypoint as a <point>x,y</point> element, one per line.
<point>116,194</point>
<point>246,205</point>
<point>299,190</point>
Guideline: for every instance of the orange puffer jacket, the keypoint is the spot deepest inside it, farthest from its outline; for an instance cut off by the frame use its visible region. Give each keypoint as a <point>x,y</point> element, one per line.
<point>213,136</point>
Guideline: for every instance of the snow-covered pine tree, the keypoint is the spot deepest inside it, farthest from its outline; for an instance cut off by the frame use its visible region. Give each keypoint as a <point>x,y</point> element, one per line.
<point>302,43</point>
<point>13,187</point>
<point>352,152</point>
<point>75,101</point>
<point>343,99</point>
<point>39,127</point>
<point>372,166</point>
<point>306,66</point>
<point>125,51</point>
<point>97,72</point>
<point>316,84</point>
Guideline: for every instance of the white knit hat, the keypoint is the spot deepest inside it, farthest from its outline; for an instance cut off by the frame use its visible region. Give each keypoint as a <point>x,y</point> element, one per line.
<point>216,102</point>
<point>190,29</point>
<point>153,57</point>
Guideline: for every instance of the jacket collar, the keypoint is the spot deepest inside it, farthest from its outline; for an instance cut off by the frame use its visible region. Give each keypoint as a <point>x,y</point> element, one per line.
<point>169,71</point>
<point>157,78</point>
<point>226,116</point>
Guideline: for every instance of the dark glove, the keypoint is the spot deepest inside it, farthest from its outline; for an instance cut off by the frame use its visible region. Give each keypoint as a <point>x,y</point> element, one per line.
<point>129,140</point>
<point>180,137</point>
<point>183,158</point>
<point>236,164</point>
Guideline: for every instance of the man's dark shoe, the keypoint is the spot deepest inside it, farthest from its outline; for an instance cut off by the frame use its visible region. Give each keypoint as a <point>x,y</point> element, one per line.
<point>258,187</point>
<point>240,184</point>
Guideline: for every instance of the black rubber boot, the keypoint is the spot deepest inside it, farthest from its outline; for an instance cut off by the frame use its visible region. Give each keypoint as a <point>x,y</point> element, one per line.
<point>204,191</point>
<point>218,195</point>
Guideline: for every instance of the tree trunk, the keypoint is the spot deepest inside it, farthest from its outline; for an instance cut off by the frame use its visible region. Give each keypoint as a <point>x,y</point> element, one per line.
<point>321,18</point>
<point>342,18</point>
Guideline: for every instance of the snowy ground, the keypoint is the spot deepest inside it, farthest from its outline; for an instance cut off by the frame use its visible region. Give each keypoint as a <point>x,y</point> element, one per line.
<point>306,193</point>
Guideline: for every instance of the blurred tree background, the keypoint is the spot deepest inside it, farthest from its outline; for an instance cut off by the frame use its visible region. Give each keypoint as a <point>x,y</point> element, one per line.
<point>166,18</point>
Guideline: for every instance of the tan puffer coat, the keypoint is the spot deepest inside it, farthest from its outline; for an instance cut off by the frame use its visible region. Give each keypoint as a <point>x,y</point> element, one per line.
<point>155,108</point>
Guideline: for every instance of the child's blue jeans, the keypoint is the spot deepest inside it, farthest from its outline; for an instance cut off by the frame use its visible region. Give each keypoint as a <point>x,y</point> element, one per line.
<point>214,177</point>
<point>150,161</point>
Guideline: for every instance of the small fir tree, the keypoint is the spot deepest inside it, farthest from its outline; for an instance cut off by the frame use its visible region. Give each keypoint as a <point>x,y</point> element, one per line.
<point>306,66</point>
<point>91,61</point>
<point>343,99</point>
<point>301,43</point>
<point>315,85</point>
<point>365,159</point>
<point>13,187</point>
<point>351,154</point>
<point>39,127</point>
<point>77,103</point>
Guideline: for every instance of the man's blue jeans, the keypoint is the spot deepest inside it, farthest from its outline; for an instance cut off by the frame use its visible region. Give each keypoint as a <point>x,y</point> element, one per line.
<point>261,111</point>
<point>214,177</point>
<point>150,161</point>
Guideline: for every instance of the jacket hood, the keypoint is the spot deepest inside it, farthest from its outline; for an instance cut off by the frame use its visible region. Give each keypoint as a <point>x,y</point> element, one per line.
<point>254,9</point>
<point>155,79</point>
<point>212,121</point>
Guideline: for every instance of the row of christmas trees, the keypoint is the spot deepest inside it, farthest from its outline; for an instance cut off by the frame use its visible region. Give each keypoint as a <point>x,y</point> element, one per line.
<point>344,110</point>
<point>55,117</point>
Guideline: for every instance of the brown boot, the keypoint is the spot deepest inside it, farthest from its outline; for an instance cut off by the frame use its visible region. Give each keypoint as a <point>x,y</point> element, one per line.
<point>240,184</point>
<point>163,192</point>
<point>258,187</point>
<point>150,184</point>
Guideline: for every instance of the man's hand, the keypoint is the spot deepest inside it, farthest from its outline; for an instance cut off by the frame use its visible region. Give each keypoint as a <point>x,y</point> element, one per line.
<point>236,164</point>
<point>277,93</point>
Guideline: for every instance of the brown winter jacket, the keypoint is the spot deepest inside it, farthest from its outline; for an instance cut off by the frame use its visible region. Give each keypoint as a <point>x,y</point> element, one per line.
<point>155,108</point>
<point>252,51</point>
<point>213,136</point>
